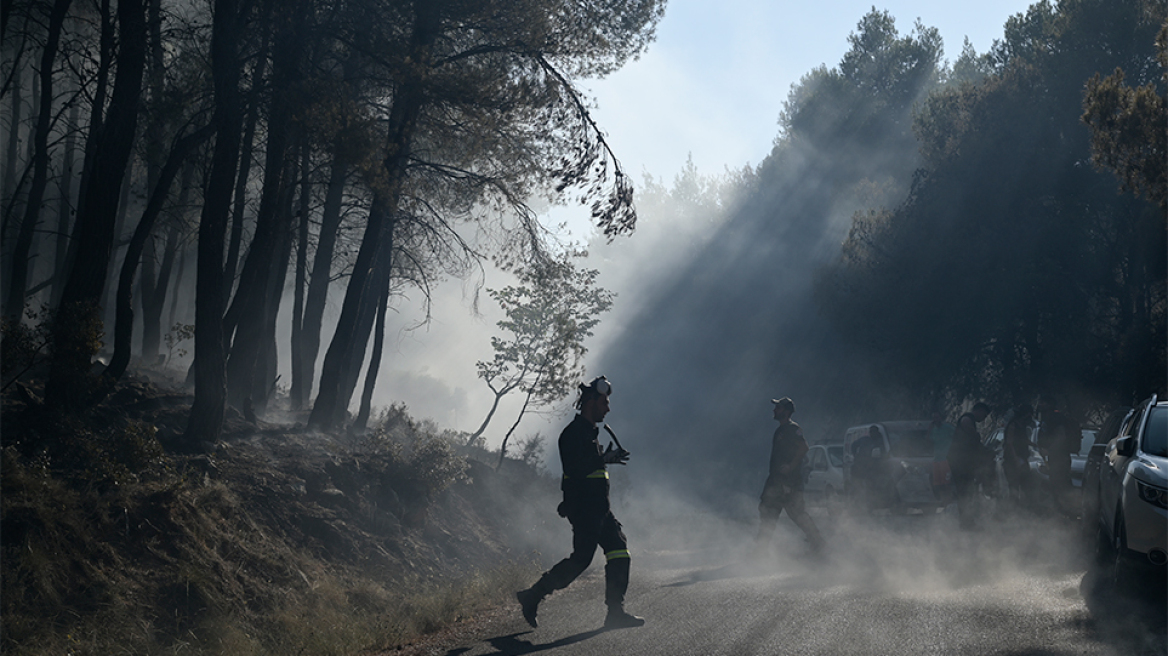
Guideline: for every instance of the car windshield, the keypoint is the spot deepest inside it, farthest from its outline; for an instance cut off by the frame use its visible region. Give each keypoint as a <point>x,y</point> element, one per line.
<point>836,455</point>
<point>910,443</point>
<point>1156,436</point>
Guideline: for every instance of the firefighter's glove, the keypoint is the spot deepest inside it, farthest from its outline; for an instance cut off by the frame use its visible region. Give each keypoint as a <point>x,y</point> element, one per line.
<point>615,456</point>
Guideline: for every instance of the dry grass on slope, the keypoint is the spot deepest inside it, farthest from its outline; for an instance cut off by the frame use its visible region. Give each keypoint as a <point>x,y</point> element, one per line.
<point>281,541</point>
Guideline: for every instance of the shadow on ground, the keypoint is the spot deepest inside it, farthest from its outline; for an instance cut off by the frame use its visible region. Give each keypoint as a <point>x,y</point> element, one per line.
<point>512,645</point>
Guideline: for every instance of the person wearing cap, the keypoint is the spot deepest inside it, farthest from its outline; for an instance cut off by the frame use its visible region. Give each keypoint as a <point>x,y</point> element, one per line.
<point>784,485</point>
<point>585,505</point>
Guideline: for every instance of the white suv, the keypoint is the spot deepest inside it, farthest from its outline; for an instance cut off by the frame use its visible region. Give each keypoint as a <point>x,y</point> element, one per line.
<point>1133,498</point>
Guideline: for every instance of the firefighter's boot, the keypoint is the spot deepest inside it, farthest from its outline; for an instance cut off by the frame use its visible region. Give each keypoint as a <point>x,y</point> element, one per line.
<point>529,603</point>
<point>619,618</point>
<point>616,582</point>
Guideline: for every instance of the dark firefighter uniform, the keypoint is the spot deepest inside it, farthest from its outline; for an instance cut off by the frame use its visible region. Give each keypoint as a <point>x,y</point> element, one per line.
<point>784,489</point>
<point>585,488</point>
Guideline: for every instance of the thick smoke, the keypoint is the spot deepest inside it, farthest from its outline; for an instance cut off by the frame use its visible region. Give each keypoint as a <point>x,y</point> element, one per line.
<point>696,366</point>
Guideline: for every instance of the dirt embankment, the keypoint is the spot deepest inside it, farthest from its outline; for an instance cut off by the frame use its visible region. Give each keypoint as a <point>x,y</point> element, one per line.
<point>279,538</point>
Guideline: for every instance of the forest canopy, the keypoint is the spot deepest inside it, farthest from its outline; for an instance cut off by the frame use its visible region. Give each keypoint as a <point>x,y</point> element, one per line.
<point>311,146</point>
<point>1014,264</point>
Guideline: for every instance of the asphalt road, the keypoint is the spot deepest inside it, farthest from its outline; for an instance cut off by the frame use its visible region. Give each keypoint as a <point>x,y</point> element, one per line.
<point>888,585</point>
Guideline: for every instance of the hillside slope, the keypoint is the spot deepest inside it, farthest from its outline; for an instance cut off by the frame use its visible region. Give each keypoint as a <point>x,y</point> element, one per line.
<point>279,540</point>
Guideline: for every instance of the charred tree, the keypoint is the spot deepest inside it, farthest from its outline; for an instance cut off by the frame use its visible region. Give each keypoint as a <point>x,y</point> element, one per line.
<point>206,417</point>
<point>124,313</point>
<point>366,407</point>
<point>65,206</point>
<point>247,148</point>
<point>249,310</point>
<point>318,282</point>
<point>18,278</point>
<point>267,365</point>
<point>12,148</point>
<point>79,315</point>
<point>301,275</point>
<point>379,281</point>
<point>362,292</point>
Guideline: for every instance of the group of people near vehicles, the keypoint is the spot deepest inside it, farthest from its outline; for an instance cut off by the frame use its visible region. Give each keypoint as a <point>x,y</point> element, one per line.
<point>1058,435</point>
<point>959,453</point>
<point>965,461</point>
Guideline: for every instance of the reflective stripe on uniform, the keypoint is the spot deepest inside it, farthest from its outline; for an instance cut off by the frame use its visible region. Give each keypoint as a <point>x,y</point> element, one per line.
<point>616,553</point>
<point>599,473</point>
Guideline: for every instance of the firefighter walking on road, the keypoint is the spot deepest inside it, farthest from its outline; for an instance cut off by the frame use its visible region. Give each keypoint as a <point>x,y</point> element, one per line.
<point>784,485</point>
<point>585,488</point>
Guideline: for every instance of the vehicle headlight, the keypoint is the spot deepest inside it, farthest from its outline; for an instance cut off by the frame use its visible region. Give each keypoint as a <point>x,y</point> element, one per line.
<point>1153,495</point>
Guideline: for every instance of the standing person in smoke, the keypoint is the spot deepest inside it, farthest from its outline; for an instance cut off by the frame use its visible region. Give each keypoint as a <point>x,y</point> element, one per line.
<point>941,436</point>
<point>1016,453</point>
<point>585,487</point>
<point>969,460</point>
<point>1058,437</point>
<point>784,485</point>
<point>868,460</point>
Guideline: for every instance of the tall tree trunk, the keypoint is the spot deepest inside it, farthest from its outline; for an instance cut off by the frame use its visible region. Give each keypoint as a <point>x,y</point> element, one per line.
<point>347,349</point>
<point>124,321</point>
<point>18,278</point>
<point>297,345</point>
<point>145,268</point>
<point>65,211</point>
<point>249,308</point>
<point>12,149</point>
<point>378,282</point>
<point>119,231</point>
<point>184,194</point>
<point>12,187</point>
<point>155,301</point>
<point>155,131</point>
<point>73,347</point>
<point>318,282</point>
<point>177,300</point>
<point>206,418</point>
<point>366,407</point>
<point>154,141</point>
<point>96,120</point>
<point>332,401</point>
<point>267,365</point>
<point>249,130</point>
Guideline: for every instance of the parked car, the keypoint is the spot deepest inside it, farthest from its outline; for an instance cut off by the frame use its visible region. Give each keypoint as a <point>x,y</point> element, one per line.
<point>908,467</point>
<point>823,480</point>
<point>1089,515</point>
<point>1132,499</point>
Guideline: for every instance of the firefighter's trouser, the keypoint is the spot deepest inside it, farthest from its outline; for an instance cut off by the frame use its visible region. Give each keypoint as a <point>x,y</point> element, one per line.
<point>589,530</point>
<point>773,504</point>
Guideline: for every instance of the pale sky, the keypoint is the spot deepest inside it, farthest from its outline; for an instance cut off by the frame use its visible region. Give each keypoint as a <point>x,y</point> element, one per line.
<point>715,80</point>
<point>711,86</point>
